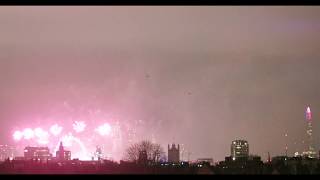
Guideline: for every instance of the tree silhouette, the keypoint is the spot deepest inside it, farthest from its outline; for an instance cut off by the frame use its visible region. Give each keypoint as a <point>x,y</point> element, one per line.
<point>154,151</point>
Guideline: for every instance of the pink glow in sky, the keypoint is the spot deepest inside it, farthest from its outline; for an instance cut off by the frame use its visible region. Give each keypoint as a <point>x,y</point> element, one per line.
<point>190,74</point>
<point>82,144</point>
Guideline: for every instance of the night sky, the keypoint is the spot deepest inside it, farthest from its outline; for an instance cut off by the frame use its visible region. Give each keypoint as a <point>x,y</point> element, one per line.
<point>198,76</point>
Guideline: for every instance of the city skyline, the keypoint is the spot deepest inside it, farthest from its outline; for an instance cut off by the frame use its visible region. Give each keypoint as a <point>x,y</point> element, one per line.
<point>198,76</point>
<point>239,152</point>
<point>91,156</point>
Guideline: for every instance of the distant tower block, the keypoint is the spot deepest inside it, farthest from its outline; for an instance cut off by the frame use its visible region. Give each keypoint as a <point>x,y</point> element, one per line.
<point>174,153</point>
<point>239,149</point>
<point>310,152</point>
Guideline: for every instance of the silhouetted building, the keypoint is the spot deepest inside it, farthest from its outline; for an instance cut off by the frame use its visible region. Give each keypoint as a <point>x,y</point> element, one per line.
<point>239,149</point>
<point>19,158</point>
<point>241,165</point>
<point>174,153</point>
<point>296,165</point>
<point>6,152</point>
<point>37,153</point>
<point>205,160</point>
<point>63,155</point>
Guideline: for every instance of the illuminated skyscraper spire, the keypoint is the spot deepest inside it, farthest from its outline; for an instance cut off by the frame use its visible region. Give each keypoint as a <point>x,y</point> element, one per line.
<point>308,114</point>
<point>310,150</point>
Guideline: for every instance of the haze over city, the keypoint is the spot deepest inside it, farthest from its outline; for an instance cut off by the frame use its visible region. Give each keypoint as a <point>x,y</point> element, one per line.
<point>197,76</point>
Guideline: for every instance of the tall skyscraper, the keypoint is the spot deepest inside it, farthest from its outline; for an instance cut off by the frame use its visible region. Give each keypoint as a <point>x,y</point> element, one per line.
<point>239,149</point>
<point>174,153</point>
<point>310,152</point>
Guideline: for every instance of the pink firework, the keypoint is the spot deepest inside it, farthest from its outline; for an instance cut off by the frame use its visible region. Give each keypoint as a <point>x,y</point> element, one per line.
<point>17,135</point>
<point>79,126</point>
<point>55,129</point>
<point>28,133</point>
<point>104,129</point>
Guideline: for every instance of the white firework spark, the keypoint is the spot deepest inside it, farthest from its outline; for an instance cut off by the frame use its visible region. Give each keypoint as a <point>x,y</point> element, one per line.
<point>55,129</point>
<point>17,135</point>
<point>104,129</point>
<point>28,133</point>
<point>79,126</point>
<point>41,135</point>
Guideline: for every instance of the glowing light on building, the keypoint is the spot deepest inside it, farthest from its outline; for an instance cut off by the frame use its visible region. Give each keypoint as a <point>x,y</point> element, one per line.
<point>55,129</point>
<point>79,126</point>
<point>104,129</point>
<point>17,135</point>
<point>28,133</point>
